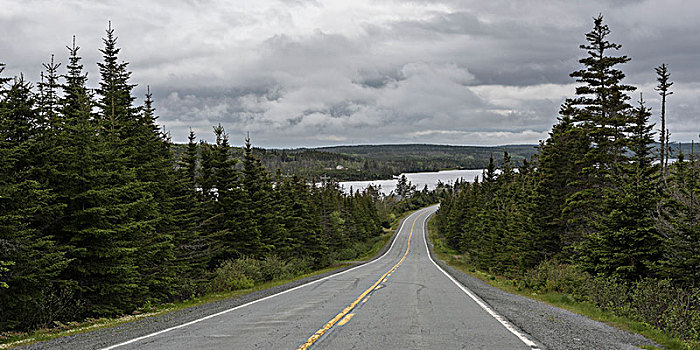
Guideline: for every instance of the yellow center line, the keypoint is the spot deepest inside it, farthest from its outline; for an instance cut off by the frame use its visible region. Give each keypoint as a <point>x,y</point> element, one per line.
<point>345,319</point>
<point>349,308</point>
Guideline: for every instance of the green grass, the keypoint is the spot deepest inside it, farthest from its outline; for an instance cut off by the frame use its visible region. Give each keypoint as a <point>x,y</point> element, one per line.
<point>564,301</point>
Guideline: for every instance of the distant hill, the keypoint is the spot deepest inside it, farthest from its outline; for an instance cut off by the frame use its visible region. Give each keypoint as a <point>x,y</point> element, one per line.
<point>371,162</point>
<point>465,157</point>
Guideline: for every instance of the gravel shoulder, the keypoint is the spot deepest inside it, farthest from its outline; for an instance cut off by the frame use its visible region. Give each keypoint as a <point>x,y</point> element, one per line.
<point>549,326</point>
<point>104,337</point>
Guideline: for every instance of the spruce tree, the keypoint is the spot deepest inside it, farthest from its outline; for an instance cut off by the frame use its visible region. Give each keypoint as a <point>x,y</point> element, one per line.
<point>627,244</point>
<point>189,161</point>
<point>663,77</point>
<point>679,222</point>
<point>117,249</point>
<point>301,222</point>
<point>116,100</point>
<point>258,186</point>
<point>559,165</point>
<point>27,207</point>
<point>601,104</point>
<point>192,247</point>
<point>49,94</point>
<point>601,110</point>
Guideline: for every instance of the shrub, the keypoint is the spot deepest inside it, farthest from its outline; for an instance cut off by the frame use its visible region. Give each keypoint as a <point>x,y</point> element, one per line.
<point>229,277</point>
<point>273,268</point>
<point>651,300</point>
<point>299,266</point>
<point>611,293</point>
<point>251,268</point>
<point>553,276</point>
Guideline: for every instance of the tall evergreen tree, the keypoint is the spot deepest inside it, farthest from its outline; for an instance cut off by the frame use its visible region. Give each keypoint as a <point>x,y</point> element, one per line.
<point>49,94</point>
<point>679,222</point>
<point>301,222</point>
<point>601,103</point>
<point>663,77</point>
<point>114,252</point>
<point>258,186</point>
<point>627,244</point>
<point>116,100</point>
<point>560,163</point>
<point>602,111</point>
<point>27,208</point>
<point>192,247</point>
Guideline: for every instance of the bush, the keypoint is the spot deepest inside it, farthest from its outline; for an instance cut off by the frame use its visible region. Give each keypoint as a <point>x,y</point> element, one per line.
<point>251,268</point>
<point>682,318</point>
<point>651,300</point>
<point>273,268</point>
<point>658,303</point>
<point>553,276</point>
<point>612,294</point>
<point>229,277</point>
<point>299,266</point>
<point>245,272</point>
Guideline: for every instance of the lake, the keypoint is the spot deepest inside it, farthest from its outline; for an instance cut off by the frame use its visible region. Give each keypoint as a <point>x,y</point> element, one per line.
<point>417,179</point>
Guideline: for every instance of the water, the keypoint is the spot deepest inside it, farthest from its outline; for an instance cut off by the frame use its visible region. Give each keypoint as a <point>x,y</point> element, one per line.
<point>417,179</point>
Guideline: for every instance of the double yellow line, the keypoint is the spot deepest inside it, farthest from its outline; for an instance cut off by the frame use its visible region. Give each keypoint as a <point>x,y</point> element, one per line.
<point>345,314</point>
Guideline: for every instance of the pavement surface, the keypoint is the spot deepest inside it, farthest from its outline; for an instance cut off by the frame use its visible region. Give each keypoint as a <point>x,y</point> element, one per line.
<point>401,300</point>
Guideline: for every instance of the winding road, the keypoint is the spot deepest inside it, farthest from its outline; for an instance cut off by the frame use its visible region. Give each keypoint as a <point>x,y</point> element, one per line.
<point>401,300</point>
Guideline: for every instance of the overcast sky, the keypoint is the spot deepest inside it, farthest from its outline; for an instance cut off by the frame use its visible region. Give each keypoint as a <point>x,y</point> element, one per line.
<point>312,73</point>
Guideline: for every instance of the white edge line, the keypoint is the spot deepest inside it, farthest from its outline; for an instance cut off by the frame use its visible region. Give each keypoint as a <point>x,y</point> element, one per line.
<point>509,326</point>
<point>261,299</point>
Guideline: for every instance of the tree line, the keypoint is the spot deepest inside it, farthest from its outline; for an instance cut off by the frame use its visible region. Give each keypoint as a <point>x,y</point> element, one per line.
<point>595,197</point>
<point>98,217</point>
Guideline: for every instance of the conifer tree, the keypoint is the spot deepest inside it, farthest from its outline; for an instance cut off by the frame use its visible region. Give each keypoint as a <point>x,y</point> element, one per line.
<point>301,222</point>
<point>627,244</point>
<point>155,167</point>
<point>679,222</point>
<point>116,100</point>
<point>258,188</point>
<point>27,207</point>
<point>189,161</point>
<point>192,247</point>
<point>48,92</point>
<point>602,111</point>
<point>601,103</point>
<point>559,165</point>
<point>114,252</point>
<point>663,77</point>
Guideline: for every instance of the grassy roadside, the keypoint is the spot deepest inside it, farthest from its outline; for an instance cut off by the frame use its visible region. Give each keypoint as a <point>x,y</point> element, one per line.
<point>10,340</point>
<point>560,300</point>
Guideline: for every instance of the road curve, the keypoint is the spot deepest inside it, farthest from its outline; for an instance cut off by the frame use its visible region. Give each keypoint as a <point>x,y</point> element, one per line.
<point>402,300</point>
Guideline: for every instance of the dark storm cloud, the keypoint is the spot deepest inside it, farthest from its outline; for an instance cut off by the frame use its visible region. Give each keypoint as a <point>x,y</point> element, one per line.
<point>308,73</point>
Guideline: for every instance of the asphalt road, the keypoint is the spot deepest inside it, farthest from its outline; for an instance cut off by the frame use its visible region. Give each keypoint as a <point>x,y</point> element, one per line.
<point>402,300</point>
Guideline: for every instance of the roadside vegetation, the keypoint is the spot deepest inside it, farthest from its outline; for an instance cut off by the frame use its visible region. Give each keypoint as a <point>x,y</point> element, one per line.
<point>595,216</point>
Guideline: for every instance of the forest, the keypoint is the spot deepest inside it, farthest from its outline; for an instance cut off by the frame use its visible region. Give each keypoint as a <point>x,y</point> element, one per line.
<point>100,214</point>
<point>597,213</point>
